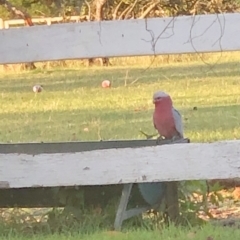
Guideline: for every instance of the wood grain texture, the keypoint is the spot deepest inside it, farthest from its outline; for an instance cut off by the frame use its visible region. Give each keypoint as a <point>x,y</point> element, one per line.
<point>175,162</point>
<point>135,37</point>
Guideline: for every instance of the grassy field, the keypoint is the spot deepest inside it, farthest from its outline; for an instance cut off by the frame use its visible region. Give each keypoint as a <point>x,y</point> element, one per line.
<point>207,232</point>
<point>74,107</point>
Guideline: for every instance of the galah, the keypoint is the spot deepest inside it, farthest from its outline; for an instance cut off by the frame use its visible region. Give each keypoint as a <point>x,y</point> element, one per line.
<point>166,119</point>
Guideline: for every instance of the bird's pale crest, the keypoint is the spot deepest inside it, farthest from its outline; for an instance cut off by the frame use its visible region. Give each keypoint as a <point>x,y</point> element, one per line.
<point>159,94</point>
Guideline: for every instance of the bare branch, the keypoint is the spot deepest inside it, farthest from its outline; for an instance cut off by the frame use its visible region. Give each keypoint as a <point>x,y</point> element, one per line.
<point>89,10</point>
<point>149,9</point>
<point>130,10</point>
<point>116,10</point>
<point>211,66</point>
<point>193,7</point>
<point>124,12</point>
<point>40,12</point>
<point>99,9</point>
<point>24,15</point>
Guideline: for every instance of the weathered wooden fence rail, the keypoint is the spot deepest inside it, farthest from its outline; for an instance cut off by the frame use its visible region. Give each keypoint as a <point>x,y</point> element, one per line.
<point>120,162</point>
<point>38,165</point>
<point>189,34</point>
<point>193,161</point>
<point>39,21</point>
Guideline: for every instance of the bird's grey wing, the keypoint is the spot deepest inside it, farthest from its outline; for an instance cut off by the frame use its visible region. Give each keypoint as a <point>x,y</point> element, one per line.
<point>152,192</point>
<point>178,121</point>
<point>154,122</point>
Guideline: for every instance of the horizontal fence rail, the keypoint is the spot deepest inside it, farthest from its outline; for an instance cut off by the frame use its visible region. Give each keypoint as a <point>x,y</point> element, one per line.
<point>169,162</point>
<point>137,37</point>
<point>41,20</point>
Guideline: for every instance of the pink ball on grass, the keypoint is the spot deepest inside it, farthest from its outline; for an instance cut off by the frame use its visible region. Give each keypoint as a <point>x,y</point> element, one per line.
<point>106,84</point>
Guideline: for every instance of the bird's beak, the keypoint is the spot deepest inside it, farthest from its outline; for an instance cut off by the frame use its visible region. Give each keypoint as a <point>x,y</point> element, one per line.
<point>156,100</point>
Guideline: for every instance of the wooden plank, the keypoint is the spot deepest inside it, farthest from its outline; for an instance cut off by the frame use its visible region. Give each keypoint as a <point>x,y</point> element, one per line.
<point>13,22</point>
<point>135,37</point>
<point>72,147</point>
<point>1,23</point>
<point>6,26</point>
<point>121,212</point>
<point>176,162</point>
<point>172,201</point>
<point>68,147</point>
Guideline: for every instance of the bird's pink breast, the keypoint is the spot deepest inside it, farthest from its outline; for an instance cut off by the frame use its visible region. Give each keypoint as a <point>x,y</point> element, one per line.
<point>164,123</point>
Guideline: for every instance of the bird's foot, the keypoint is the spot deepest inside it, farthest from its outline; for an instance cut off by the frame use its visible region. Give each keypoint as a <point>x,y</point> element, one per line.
<point>174,138</point>
<point>159,139</point>
<point>147,135</point>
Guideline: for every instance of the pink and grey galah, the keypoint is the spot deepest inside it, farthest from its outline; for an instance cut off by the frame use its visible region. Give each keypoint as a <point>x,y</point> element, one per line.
<point>166,119</point>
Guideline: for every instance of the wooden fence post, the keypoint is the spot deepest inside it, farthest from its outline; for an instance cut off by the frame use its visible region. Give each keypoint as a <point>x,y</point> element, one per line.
<point>172,201</point>
<point>1,23</point>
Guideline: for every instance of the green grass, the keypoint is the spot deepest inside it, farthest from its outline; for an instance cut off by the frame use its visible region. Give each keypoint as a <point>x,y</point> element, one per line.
<point>207,232</point>
<point>73,106</point>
